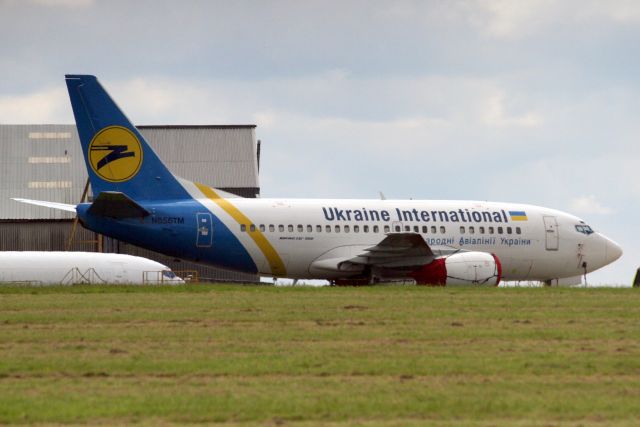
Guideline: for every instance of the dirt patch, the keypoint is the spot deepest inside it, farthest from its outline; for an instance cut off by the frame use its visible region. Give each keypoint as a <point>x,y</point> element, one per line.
<point>355,307</point>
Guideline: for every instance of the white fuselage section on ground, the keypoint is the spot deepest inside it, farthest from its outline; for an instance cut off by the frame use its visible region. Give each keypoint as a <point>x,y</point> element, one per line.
<point>48,268</point>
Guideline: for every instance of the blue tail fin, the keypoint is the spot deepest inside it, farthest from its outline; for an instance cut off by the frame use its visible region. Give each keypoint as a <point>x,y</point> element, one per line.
<point>117,156</point>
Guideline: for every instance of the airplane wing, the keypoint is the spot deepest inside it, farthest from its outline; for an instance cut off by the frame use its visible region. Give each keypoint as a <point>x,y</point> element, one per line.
<point>396,250</point>
<point>54,205</point>
<point>407,255</point>
<point>402,251</point>
<point>108,203</point>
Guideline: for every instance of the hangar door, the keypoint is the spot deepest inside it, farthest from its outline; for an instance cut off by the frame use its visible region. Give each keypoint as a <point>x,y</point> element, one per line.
<point>551,233</point>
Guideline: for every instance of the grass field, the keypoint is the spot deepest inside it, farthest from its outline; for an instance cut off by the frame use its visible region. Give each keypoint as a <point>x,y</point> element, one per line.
<point>261,355</point>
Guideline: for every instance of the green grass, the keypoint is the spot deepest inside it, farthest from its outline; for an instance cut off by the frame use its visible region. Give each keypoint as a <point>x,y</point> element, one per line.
<point>256,355</point>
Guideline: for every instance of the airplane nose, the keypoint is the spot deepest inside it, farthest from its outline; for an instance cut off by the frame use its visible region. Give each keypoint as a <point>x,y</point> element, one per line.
<point>612,251</point>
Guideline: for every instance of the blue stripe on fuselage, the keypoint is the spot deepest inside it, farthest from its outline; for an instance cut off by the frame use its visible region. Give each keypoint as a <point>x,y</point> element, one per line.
<point>172,229</point>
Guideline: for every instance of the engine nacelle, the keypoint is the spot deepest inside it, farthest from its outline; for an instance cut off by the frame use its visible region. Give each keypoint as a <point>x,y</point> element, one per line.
<point>464,268</point>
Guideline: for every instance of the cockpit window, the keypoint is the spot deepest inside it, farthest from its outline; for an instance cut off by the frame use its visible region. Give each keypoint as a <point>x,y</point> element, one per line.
<point>169,274</point>
<point>583,228</point>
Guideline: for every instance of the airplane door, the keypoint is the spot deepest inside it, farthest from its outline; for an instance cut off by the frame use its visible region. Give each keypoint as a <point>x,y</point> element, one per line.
<point>205,230</point>
<point>551,233</point>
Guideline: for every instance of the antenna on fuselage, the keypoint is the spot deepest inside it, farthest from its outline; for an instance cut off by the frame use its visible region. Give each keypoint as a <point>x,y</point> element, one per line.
<point>382,197</point>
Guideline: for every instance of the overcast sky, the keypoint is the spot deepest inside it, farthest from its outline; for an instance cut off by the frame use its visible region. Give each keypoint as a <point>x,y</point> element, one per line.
<point>530,101</point>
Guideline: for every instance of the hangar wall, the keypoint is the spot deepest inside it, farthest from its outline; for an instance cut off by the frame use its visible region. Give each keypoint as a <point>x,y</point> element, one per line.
<point>45,162</point>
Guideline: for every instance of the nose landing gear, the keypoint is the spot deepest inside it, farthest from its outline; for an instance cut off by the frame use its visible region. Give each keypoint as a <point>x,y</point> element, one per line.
<point>581,262</point>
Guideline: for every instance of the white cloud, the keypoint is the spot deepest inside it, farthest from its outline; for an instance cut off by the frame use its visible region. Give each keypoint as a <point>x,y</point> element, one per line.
<point>623,11</point>
<point>589,205</point>
<point>510,19</point>
<point>405,103</point>
<point>48,106</point>
<point>495,114</point>
<point>156,100</point>
<point>507,18</point>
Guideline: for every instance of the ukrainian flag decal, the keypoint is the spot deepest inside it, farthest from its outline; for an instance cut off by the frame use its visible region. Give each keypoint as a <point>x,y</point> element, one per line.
<point>518,215</point>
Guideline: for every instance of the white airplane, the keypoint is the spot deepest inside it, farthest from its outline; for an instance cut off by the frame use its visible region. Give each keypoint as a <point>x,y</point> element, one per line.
<point>138,200</point>
<point>69,268</point>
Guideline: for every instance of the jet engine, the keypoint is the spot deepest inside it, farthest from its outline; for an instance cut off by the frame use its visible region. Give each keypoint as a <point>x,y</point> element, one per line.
<point>464,268</point>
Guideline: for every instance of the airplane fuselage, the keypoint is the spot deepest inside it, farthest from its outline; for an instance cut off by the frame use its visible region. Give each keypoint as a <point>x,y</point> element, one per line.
<point>284,237</point>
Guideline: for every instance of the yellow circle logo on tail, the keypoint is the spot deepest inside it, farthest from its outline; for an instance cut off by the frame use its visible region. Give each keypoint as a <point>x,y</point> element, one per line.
<point>115,154</point>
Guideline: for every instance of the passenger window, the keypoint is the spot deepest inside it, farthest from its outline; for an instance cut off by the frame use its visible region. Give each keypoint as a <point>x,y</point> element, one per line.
<point>272,228</point>
<point>416,229</point>
<point>376,229</point>
<point>481,230</point>
<point>346,228</point>
<point>499,230</point>
<point>386,229</point>
<point>518,230</point>
<point>472,230</point>
<point>442,229</point>
<point>461,230</point>
<point>252,228</point>
<point>398,229</point>
<point>309,229</point>
<point>243,227</point>
<point>508,230</point>
<point>337,228</point>
<point>290,227</point>
<point>425,229</point>
<point>356,228</point>
<point>407,228</point>
<point>281,228</point>
<point>262,227</point>
<point>365,228</point>
<point>319,228</point>
<point>327,229</point>
<point>491,230</point>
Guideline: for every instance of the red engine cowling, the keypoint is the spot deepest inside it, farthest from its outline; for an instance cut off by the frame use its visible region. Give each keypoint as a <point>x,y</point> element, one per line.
<point>465,268</point>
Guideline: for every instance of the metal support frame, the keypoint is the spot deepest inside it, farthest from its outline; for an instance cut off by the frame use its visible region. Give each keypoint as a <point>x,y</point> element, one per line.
<point>71,240</point>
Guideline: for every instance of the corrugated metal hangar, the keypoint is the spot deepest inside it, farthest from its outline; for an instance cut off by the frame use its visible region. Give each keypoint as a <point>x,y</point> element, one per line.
<point>45,162</point>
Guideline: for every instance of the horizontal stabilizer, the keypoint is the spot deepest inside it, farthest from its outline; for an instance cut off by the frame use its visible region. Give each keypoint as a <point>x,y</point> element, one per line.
<point>53,205</point>
<point>114,204</point>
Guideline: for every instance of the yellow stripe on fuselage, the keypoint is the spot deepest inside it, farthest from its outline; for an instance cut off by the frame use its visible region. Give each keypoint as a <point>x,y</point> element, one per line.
<point>275,262</point>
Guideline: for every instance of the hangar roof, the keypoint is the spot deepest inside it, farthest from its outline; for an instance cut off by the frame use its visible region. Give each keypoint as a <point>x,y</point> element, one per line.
<point>45,162</point>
